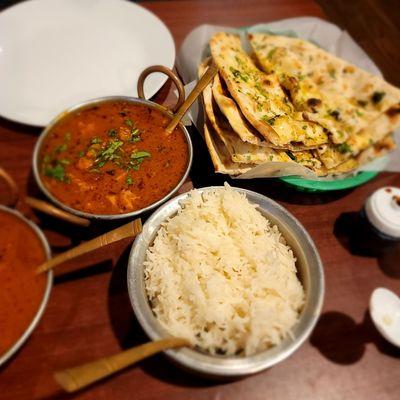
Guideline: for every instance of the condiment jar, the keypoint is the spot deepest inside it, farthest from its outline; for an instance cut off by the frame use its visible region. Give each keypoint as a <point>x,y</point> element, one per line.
<point>379,228</point>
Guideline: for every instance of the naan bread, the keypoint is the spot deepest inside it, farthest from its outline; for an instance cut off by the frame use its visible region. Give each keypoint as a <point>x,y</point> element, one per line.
<point>246,153</point>
<point>239,151</point>
<point>220,157</point>
<point>386,122</point>
<point>233,114</point>
<point>338,95</point>
<point>373,152</point>
<point>261,98</point>
<point>237,120</point>
<point>379,149</point>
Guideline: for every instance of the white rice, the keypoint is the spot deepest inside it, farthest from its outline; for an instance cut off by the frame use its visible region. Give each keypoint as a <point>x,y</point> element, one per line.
<point>219,275</point>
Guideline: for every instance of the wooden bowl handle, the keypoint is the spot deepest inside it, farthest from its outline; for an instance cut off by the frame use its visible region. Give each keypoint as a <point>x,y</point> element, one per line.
<point>47,208</point>
<point>76,378</point>
<point>12,185</point>
<point>166,71</point>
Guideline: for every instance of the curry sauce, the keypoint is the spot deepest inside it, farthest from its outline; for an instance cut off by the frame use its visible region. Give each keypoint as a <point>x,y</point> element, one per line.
<point>21,290</point>
<point>112,158</point>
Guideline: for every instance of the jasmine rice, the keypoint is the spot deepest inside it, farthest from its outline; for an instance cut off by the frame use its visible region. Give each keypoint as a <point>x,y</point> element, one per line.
<point>220,275</point>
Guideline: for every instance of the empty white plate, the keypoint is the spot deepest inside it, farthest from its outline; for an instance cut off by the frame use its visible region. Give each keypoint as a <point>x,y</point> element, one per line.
<point>57,53</point>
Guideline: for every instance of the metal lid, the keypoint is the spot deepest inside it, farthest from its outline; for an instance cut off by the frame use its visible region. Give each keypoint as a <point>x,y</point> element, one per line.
<point>383,210</point>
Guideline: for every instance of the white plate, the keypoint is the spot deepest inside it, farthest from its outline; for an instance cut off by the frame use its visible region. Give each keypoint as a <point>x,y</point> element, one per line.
<point>57,53</point>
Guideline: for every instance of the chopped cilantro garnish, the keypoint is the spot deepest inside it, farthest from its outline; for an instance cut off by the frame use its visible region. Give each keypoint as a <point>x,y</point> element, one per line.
<point>344,148</point>
<point>60,148</point>
<point>129,180</point>
<point>238,74</point>
<point>269,120</point>
<point>137,158</point>
<point>56,171</point>
<point>81,154</point>
<point>271,53</point>
<point>235,72</point>
<point>261,90</point>
<point>110,153</point>
<point>96,140</point>
<point>128,122</point>
<point>112,133</point>
<point>135,135</point>
<point>140,154</point>
<point>359,114</point>
<point>239,61</point>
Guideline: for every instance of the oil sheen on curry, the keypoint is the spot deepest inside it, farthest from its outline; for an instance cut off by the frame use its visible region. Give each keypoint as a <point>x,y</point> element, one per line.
<point>112,158</point>
<point>21,289</point>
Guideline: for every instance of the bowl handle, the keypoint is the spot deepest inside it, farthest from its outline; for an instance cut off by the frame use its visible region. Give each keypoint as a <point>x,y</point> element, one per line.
<point>166,71</point>
<point>6,177</point>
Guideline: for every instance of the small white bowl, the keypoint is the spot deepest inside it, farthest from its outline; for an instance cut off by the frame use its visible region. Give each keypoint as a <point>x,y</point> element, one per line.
<point>384,307</point>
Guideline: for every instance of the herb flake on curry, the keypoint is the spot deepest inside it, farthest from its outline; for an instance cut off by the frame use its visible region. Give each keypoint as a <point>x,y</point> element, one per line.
<point>112,158</point>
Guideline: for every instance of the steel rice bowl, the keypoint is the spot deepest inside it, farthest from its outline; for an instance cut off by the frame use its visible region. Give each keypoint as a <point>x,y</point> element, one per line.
<point>31,327</point>
<point>88,104</point>
<point>310,272</point>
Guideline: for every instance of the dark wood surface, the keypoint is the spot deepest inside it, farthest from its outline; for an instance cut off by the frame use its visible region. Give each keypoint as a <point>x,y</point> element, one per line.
<point>375,25</point>
<point>89,314</point>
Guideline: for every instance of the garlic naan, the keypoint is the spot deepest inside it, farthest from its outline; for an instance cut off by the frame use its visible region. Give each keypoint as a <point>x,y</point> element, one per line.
<point>261,97</point>
<point>235,117</point>
<point>386,122</point>
<point>338,95</point>
<point>246,153</point>
<point>240,152</point>
<point>220,157</point>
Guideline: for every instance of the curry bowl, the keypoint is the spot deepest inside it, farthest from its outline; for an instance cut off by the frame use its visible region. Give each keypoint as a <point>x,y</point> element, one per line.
<point>310,274</point>
<point>28,293</point>
<point>110,158</point>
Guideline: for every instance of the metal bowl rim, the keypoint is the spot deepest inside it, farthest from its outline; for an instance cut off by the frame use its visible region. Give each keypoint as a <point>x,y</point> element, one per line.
<point>32,325</point>
<point>232,367</point>
<point>89,103</point>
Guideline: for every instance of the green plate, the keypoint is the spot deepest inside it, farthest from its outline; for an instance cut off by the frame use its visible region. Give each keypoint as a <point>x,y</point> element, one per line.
<point>306,185</point>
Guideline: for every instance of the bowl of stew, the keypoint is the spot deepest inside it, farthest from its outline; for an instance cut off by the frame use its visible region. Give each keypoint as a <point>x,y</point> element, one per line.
<point>111,157</point>
<point>23,293</point>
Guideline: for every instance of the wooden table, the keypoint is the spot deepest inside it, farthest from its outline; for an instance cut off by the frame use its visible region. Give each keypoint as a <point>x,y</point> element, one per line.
<point>89,314</point>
